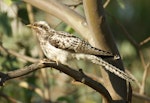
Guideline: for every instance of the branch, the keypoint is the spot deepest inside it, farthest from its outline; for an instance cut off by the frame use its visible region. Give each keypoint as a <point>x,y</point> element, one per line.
<point>9,99</point>
<point>68,15</point>
<point>126,33</point>
<point>102,38</point>
<point>77,75</point>
<point>11,52</point>
<point>145,41</point>
<point>141,96</point>
<point>106,3</point>
<point>146,66</point>
<point>138,47</point>
<point>75,4</point>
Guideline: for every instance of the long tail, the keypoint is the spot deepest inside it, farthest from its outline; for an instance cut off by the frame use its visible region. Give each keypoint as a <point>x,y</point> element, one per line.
<point>109,67</point>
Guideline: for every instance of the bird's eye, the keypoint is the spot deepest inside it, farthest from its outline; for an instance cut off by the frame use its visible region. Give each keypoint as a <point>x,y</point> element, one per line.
<point>41,26</point>
<point>34,24</point>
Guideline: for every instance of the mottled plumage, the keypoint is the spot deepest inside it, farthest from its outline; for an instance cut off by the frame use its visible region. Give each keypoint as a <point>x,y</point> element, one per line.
<point>63,47</point>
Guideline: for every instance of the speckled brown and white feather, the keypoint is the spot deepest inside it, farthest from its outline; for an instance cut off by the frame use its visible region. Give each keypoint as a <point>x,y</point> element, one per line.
<point>62,47</point>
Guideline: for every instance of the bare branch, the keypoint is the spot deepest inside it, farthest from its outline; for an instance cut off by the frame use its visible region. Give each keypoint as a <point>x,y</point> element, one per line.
<point>126,33</point>
<point>142,89</point>
<point>102,38</point>
<point>68,15</point>
<point>30,13</point>
<point>138,48</point>
<point>77,75</point>
<point>106,3</point>
<point>9,99</point>
<point>75,4</point>
<point>140,96</point>
<point>11,52</point>
<point>145,41</point>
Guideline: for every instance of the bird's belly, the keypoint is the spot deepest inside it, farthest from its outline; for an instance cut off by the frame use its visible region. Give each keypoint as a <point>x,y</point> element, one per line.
<point>54,53</point>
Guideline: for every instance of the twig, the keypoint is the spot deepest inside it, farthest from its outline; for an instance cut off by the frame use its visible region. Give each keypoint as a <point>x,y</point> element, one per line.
<point>126,33</point>
<point>145,41</point>
<point>77,75</point>
<point>74,5</point>
<point>24,57</point>
<point>138,48</point>
<point>106,3</point>
<point>9,99</point>
<point>144,97</point>
<point>142,89</point>
<point>30,13</point>
<point>142,58</point>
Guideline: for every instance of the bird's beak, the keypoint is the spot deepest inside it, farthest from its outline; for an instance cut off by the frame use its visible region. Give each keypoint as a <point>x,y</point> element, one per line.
<point>29,25</point>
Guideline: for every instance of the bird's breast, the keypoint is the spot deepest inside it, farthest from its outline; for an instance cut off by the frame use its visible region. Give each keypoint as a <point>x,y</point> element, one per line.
<point>54,53</point>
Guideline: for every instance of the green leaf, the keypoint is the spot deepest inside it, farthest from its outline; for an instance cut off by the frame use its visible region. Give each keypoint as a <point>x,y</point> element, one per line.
<point>5,27</point>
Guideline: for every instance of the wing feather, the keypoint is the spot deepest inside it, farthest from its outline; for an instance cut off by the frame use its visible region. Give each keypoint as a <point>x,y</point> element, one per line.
<point>74,44</point>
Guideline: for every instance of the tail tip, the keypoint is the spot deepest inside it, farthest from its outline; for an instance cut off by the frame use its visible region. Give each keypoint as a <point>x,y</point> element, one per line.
<point>116,57</point>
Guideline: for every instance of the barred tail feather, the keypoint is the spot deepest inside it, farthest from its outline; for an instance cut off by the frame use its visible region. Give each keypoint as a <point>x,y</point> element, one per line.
<point>109,67</point>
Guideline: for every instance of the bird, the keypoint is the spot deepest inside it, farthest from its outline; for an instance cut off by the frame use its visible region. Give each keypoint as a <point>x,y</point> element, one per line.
<point>62,47</point>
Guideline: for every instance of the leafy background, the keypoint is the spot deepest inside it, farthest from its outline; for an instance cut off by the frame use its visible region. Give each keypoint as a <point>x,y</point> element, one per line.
<point>48,85</point>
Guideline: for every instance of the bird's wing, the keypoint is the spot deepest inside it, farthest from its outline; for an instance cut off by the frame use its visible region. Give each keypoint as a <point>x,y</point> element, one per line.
<point>66,41</point>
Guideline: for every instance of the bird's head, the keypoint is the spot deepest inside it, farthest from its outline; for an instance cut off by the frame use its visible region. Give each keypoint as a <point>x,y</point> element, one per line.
<point>39,27</point>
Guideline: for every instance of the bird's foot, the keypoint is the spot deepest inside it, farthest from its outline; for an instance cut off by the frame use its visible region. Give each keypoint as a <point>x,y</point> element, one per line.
<point>56,60</point>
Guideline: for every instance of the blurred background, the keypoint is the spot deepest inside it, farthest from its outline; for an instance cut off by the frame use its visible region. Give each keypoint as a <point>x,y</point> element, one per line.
<point>129,21</point>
